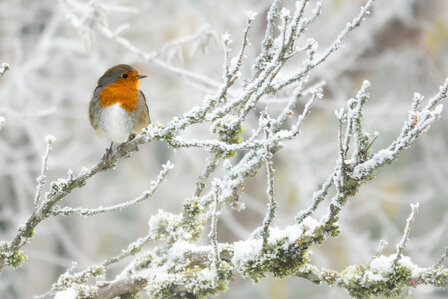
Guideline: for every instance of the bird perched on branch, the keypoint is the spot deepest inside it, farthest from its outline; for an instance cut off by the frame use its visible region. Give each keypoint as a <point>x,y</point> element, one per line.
<point>118,108</point>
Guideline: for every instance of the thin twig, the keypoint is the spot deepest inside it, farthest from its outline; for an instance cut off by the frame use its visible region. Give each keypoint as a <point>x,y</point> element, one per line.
<point>270,191</point>
<point>268,40</point>
<point>213,235</point>
<point>211,164</point>
<point>166,168</point>
<point>42,178</point>
<point>331,49</point>
<point>407,230</point>
<point>379,249</point>
<point>131,250</point>
<point>318,197</point>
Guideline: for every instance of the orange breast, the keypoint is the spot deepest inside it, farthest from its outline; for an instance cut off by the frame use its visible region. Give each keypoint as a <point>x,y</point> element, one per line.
<point>124,92</point>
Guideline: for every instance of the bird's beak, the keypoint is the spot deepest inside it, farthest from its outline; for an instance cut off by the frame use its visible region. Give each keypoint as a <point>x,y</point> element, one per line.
<point>141,76</point>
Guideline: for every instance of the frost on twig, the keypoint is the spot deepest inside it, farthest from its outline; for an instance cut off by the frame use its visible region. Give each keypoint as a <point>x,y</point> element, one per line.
<point>42,179</point>
<point>58,190</point>
<point>407,231</point>
<point>272,203</point>
<point>213,235</point>
<point>166,168</point>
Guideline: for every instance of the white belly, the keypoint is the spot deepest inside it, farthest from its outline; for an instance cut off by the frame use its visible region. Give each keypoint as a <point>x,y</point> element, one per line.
<point>115,124</point>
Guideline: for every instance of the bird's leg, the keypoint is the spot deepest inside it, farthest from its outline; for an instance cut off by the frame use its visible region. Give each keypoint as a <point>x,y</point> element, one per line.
<point>109,152</point>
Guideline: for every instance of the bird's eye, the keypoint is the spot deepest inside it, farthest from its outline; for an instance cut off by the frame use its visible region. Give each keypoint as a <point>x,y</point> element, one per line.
<point>124,75</point>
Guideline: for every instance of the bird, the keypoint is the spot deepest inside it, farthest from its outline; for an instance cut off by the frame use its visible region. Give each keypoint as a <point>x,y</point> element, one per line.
<point>118,109</point>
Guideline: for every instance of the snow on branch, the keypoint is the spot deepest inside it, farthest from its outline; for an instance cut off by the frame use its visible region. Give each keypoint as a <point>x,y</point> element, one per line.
<point>418,122</point>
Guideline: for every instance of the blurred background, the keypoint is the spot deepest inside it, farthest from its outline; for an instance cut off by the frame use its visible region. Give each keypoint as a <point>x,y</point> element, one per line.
<point>58,49</point>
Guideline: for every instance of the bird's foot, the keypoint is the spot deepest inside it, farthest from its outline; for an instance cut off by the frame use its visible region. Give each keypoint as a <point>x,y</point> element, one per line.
<point>108,153</point>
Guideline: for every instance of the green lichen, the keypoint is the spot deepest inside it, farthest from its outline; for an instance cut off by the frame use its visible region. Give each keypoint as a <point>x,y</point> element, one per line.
<point>330,277</point>
<point>98,271</point>
<point>134,248</point>
<point>352,281</point>
<point>201,183</point>
<point>30,234</point>
<point>350,186</point>
<point>309,269</point>
<point>334,231</point>
<point>229,130</point>
<point>140,282</point>
<point>438,277</point>
<point>189,273</point>
<point>65,281</point>
<point>208,287</point>
<point>143,260</point>
<point>193,218</point>
<point>280,260</point>
<point>358,284</point>
<point>185,226</point>
<point>85,292</point>
<point>192,283</point>
<point>156,129</point>
<point>14,258</point>
<point>164,225</point>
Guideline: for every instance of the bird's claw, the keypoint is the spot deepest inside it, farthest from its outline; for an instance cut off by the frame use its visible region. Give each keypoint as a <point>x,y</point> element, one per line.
<point>108,153</point>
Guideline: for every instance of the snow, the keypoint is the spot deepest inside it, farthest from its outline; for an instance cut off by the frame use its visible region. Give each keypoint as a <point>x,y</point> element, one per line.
<point>84,170</point>
<point>382,264</point>
<point>162,223</point>
<point>310,223</point>
<point>283,134</point>
<point>155,274</point>
<point>178,250</point>
<point>293,232</point>
<point>379,158</point>
<point>50,139</point>
<point>66,294</point>
<point>285,13</point>
<point>438,109</point>
<point>251,15</point>
<point>244,250</point>
<point>247,250</point>
<point>225,37</point>
<point>339,113</point>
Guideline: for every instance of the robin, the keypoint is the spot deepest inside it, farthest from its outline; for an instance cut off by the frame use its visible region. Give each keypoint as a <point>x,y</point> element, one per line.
<point>118,108</point>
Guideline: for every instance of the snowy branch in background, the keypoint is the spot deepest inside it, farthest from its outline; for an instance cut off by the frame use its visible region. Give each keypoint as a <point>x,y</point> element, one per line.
<point>3,68</point>
<point>2,122</point>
